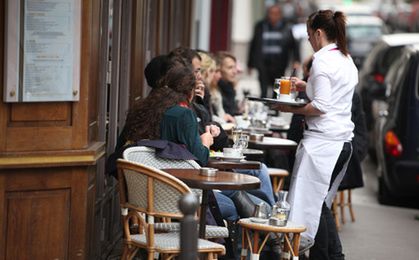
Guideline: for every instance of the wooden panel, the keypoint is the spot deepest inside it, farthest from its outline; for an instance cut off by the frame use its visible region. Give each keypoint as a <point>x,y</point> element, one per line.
<point>18,124</point>
<point>93,86</point>
<point>138,52</point>
<point>37,179</point>
<point>35,228</point>
<point>32,112</point>
<point>3,108</point>
<point>79,238</point>
<point>39,139</point>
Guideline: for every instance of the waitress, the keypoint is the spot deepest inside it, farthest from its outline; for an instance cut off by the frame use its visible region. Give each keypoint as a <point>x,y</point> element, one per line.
<point>323,153</point>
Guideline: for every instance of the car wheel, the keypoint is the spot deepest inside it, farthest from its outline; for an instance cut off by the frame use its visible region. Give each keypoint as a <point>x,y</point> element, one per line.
<point>384,194</point>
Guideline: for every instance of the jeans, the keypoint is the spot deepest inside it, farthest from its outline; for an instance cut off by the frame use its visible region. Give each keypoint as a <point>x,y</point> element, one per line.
<point>226,205</point>
<point>263,194</point>
<point>265,191</point>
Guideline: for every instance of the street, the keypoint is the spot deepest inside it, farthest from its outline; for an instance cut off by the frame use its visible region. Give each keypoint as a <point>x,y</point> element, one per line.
<point>379,232</point>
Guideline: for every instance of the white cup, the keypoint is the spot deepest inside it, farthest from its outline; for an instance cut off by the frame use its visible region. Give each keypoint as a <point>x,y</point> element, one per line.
<point>231,152</point>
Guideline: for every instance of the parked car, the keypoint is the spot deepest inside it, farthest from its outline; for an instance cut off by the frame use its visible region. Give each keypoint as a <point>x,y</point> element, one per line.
<point>371,77</point>
<point>397,143</point>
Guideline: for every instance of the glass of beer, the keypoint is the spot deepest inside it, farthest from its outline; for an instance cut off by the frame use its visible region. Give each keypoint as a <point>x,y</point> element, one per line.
<point>285,86</point>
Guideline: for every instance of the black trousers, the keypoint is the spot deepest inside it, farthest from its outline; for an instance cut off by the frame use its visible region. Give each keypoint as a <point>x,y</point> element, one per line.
<point>327,244</point>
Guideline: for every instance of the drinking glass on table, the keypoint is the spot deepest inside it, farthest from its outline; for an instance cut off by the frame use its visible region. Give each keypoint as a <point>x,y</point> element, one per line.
<point>242,142</point>
<point>236,133</point>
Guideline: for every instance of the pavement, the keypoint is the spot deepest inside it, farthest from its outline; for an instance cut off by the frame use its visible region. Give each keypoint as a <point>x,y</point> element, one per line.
<point>379,232</point>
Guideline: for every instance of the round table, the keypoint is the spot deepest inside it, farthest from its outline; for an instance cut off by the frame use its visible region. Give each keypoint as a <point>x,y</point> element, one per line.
<point>221,181</point>
<point>264,228</point>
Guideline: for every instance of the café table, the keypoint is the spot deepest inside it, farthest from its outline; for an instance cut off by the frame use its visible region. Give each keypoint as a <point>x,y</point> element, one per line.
<point>221,181</point>
<point>230,165</point>
<point>273,143</point>
<point>259,229</point>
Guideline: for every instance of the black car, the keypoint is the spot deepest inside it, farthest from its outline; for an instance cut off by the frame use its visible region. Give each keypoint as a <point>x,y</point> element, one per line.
<point>371,77</point>
<point>397,142</point>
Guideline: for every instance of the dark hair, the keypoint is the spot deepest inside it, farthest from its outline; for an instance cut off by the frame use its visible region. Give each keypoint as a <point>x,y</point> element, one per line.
<point>333,24</point>
<point>186,53</point>
<point>143,119</point>
<point>155,70</point>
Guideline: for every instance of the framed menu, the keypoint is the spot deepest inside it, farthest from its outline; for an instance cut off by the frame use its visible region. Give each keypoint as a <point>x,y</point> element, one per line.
<point>42,50</point>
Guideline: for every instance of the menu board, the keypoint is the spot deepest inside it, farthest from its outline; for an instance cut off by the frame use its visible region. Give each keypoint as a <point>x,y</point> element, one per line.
<point>49,62</point>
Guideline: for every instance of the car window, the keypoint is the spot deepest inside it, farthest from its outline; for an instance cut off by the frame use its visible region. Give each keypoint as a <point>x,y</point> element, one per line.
<point>394,77</point>
<point>388,58</point>
<point>363,31</point>
<point>373,58</point>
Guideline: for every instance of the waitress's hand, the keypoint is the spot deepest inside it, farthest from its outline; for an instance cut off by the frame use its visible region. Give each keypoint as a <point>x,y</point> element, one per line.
<point>299,84</point>
<point>206,138</point>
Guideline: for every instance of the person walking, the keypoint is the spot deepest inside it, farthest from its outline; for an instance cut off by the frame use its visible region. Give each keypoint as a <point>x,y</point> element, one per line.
<point>270,48</point>
<point>323,154</point>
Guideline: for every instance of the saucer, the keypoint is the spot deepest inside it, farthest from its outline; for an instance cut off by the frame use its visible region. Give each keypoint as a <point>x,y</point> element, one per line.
<point>232,158</point>
<point>220,155</point>
<point>259,220</point>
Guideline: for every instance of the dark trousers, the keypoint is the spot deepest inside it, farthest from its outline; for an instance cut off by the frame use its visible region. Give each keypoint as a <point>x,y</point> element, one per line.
<point>267,74</point>
<point>327,244</point>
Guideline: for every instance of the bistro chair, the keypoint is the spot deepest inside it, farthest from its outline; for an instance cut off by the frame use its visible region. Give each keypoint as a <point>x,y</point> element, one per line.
<point>147,193</point>
<point>147,156</point>
<point>341,202</point>
<point>278,178</point>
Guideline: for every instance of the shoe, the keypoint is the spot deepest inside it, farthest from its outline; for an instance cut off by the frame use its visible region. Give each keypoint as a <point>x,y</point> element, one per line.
<point>244,205</point>
<point>275,243</point>
<point>305,245</point>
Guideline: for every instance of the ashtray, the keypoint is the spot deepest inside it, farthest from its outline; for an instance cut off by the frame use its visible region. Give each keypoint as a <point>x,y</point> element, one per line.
<point>207,171</point>
<point>256,137</point>
<point>277,222</point>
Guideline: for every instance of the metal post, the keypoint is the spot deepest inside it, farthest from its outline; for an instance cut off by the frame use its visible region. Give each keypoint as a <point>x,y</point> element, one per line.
<point>188,228</point>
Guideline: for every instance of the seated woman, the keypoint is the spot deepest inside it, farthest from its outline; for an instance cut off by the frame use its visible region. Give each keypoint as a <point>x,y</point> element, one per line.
<point>210,77</point>
<point>191,57</point>
<point>168,116</point>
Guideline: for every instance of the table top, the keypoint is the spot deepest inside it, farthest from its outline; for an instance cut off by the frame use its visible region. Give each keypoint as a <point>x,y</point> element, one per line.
<point>230,165</point>
<point>249,151</point>
<point>274,142</point>
<point>222,180</point>
<point>289,228</point>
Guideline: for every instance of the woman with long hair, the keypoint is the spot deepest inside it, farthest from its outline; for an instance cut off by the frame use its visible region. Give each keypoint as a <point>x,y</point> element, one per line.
<point>323,153</point>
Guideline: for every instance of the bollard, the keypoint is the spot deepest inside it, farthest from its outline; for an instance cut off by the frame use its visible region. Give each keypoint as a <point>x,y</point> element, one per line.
<point>188,205</point>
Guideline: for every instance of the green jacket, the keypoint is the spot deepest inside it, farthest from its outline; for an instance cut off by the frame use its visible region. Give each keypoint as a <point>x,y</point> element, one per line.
<point>179,125</point>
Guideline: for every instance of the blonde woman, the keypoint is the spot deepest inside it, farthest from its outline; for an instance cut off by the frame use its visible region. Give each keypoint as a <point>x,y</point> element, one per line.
<point>210,76</point>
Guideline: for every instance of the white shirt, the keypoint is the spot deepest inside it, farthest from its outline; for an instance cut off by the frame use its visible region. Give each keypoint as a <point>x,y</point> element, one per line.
<point>330,88</point>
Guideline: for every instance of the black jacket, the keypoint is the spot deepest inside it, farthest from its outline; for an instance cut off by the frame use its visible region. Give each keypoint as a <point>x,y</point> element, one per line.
<point>256,59</point>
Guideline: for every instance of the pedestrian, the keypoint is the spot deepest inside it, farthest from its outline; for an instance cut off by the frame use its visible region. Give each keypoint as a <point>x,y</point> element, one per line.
<point>270,48</point>
<point>323,153</point>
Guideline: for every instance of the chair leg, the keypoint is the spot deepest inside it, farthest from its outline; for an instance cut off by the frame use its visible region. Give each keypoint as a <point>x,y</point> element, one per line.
<point>351,211</point>
<point>129,253</point>
<point>342,206</point>
<point>275,183</point>
<point>281,183</point>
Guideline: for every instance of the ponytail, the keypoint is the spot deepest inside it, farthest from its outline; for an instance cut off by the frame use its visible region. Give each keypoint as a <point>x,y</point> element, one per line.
<point>333,24</point>
<point>340,21</point>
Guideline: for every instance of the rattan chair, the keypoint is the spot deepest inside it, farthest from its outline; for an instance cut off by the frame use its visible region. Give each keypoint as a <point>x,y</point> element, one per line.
<point>147,193</point>
<point>147,156</point>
